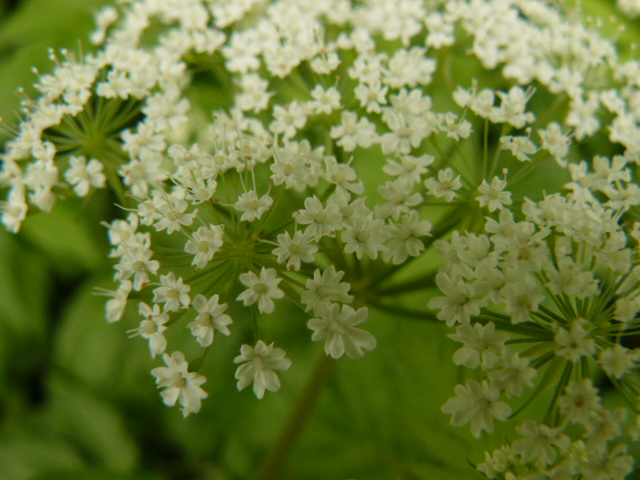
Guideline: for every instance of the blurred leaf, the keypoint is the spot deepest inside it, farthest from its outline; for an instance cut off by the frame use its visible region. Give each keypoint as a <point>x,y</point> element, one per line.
<point>26,36</point>
<point>97,353</point>
<point>380,417</point>
<point>92,474</point>
<point>70,236</point>
<point>24,299</point>
<point>91,423</point>
<point>26,453</point>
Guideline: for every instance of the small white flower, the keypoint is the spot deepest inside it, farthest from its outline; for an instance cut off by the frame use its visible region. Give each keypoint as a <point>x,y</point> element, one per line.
<point>325,288</point>
<point>480,342</point>
<point>579,401</point>
<point>520,146</point>
<point>493,195</point>
<point>539,442</point>
<point>324,101</point>
<point>322,221</point>
<point>172,292</point>
<point>261,289</point>
<point>179,384</point>
<point>204,244</point>
<point>353,132</point>
<point>476,403</point>
<point>252,206</point>
<point>261,362</point>
<point>287,121</point>
<point>617,361</point>
<point>445,186</point>
<point>574,343</point>
<point>294,250</point>
<point>365,236</point>
<point>514,373</point>
<point>152,328</point>
<point>337,325</point>
<point>554,141</point>
<point>211,317</point>
<point>83,176</point>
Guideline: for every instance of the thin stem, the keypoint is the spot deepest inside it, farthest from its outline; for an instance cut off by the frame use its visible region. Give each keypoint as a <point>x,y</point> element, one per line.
<point>275,460</point>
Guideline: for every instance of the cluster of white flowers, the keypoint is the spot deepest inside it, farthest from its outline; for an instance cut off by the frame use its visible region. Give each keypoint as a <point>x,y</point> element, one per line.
<point>322,168</point>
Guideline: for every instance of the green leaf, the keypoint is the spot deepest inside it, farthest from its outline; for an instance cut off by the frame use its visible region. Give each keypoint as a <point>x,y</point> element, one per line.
<point>98,353</point>
<point>92,474</point>
<point>24,299</point>
<point>70,236</point>
<point>25,453</point>
<point>25,38</point>
<point>91,423</point>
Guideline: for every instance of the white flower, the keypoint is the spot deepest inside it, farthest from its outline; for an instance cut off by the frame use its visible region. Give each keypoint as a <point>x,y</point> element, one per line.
<point>252,206</point>
<point>371,95</point>
<point>455,128</point>
<point>261,289</point>
<point>152,328</point>
<point>445,186</point>
<point>479,342</point>
<point>554,141</point>
<point>579,401</point>
<point>172,212</point>
<point>179,384</point>
<point>136,262</point>
<point>514,373</point>
<point>204,244</point>
<point>173,292</point>
<point>492,195</point>
<point>520,146</point>
<point>512,108</point>
<point>83,176</point>
<point>337,325</point>
<point>617,361</point>
<point>261,362</point>
<point>539,442</point>
<point>365,235</point>
<point>404,238</point>
<point>116,305</point>
<point>287,121</point>
<point>324,101</point>
<point>211,317</point>
<point>325,288</point>
<point>574,343</point>
<point>353,132</point>
<point>294,250</point>
<point>476,403</point>
<point>458,304</point>
<point>322,221</point>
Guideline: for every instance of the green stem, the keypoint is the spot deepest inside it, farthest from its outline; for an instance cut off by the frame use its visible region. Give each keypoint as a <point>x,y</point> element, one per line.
<point>275,460</point>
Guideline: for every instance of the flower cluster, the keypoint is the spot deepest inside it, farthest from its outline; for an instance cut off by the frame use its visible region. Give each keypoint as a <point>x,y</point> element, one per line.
<point>341,147</point>
<point>551,296</point>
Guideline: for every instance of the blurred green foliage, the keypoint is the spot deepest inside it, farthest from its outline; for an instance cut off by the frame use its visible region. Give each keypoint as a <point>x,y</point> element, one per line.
<point>76,398</point>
